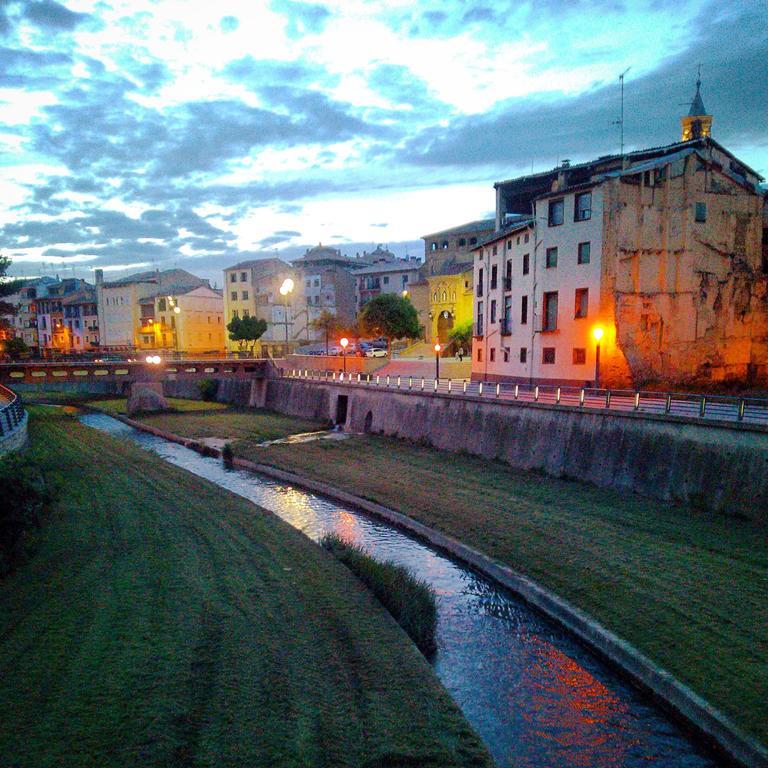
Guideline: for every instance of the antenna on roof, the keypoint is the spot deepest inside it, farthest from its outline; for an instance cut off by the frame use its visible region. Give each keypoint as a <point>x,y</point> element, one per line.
<point>620,121</point>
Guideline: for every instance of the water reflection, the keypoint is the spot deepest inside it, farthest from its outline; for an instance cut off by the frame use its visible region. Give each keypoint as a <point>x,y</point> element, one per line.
<point>535,696</point>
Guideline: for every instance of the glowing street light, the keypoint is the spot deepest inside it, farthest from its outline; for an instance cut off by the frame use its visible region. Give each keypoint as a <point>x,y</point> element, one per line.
<point>437,362</point>
<point>344,344</point>
<point>597,335</point>
<point>285,289</point>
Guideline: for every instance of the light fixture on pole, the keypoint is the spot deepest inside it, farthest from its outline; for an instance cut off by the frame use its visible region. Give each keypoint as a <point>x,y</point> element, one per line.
<point>437,362</point>
<point>344,344</point>
<point>285,289</point>
<point>597,335</point>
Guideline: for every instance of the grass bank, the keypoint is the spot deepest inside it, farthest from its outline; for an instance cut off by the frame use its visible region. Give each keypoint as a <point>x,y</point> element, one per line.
<point>163,621</point>
<point>688,589</point>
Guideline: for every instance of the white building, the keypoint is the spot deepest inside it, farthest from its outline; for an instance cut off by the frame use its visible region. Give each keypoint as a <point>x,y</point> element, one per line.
<point>395,276</point>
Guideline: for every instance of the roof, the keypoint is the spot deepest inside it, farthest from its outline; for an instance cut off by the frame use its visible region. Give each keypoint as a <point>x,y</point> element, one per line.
<point>85,296</point>
<point>166,277</point>
<point>262,265</point>
<point>401,265</point>
<point>473,226</point>
<point>454,268</point>
<point>173,290</point>
<point>516,226</point>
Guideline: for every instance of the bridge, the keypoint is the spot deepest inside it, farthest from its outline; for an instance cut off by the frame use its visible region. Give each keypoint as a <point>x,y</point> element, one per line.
<point>42,373</point>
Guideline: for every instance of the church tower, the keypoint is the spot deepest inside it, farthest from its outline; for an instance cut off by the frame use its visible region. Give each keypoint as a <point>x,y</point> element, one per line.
<point>697,124</point>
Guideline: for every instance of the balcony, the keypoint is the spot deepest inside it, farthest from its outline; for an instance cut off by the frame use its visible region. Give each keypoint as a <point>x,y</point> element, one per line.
<point>479,329</point>
<point>506,327</point>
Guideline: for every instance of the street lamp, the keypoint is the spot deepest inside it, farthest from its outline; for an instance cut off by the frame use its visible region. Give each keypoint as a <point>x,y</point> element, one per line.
<point>597,335</point>
<point>437,362</point>
<point>285,289</point>
<point>344,344</point>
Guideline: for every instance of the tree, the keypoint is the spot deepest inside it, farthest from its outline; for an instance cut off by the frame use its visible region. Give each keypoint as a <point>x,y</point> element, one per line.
<point>461,336</point>
<point>326,322</point>
<point>15,348</point>
<point>246,329</point>
<point>390,315</point>
<point>7,288</point>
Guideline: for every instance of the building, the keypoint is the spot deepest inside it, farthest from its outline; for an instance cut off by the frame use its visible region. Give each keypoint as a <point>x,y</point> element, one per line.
<point>119,309</point>
<point>252,288</point>
<point>23,324</point>
<point>182,320</point>
<point>386,274</point>
<point>81,320</point>
<point>59,330</point>
<point>453,246</point>
<point>659,250</point>
<point>324,281</point>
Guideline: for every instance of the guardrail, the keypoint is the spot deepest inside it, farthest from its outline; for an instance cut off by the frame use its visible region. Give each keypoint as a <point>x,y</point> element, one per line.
<point>11,411</point>
<point>722,408</point>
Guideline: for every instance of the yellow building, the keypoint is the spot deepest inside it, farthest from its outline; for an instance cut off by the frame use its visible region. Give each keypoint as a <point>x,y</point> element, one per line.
<point>186,321</point>
<point>444,301</point>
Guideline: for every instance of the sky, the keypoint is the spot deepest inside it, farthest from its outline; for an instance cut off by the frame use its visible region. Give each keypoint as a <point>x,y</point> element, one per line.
<point>138,135</point>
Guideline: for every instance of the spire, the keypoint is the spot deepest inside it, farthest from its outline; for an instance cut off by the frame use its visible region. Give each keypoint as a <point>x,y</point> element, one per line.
<point>697,105</point>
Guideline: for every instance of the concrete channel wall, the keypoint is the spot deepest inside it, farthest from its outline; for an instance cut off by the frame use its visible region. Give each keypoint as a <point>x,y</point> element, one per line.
<point>16,439</point>
<point>710,467</point>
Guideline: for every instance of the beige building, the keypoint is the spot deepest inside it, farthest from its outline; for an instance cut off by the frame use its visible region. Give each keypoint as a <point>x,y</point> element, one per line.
<point>118,302</point>
<point>659,249</point>
<point>183,321</point>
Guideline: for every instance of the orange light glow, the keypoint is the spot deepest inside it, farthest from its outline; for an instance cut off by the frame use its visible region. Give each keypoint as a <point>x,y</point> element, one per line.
<point>597,333</point>
<point>437,347</point>
<point>344,342</point>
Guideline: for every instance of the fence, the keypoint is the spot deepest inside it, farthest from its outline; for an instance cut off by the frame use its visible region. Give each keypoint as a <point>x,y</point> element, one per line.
<point>723,408</point>
<point>11,411</point>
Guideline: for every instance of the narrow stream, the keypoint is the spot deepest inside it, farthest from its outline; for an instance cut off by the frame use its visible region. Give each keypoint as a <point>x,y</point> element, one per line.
<point>535,695</point>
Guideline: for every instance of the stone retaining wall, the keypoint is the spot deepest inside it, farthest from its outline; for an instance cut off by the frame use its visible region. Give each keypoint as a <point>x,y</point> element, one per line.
<point>16,439</point>
<point>709,467</point>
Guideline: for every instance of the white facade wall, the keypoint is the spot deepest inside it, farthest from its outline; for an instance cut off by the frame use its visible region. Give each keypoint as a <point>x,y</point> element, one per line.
<point>497,349</point>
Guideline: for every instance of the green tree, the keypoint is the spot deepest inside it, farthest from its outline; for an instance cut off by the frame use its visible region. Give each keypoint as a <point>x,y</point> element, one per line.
<point>15,348</point>
<point>390,315</point>
<point>246,331</point>
<point>7,288</point>
<point>326,322</point>
<point>461,336</point>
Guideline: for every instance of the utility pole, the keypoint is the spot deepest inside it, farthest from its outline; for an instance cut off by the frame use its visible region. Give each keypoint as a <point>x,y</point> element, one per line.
<point>620,121</point>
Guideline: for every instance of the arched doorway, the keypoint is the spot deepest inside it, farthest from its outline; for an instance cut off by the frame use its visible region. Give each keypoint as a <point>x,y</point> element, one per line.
<point>444,326</point>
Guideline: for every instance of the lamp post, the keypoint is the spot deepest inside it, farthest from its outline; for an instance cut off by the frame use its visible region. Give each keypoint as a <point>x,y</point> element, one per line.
<point>344,344</point>
<point>597,335</point>
<point>437,362</point>
<point>286,289</point>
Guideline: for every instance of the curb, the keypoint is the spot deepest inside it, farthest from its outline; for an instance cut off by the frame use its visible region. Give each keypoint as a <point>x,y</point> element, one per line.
<point>715,729</point>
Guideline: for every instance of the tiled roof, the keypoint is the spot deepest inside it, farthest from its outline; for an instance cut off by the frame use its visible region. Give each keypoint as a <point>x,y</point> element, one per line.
<point>471,226</point>
<point>389,266</point>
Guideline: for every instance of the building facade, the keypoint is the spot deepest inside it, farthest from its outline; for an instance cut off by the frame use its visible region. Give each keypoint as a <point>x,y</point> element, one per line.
<point>395,276</point>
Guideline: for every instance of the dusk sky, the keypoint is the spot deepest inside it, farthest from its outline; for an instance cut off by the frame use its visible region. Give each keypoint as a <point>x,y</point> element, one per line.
<point>195,134</point>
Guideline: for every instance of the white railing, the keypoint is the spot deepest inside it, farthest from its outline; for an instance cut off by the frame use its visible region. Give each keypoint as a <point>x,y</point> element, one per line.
<point>735,409</point>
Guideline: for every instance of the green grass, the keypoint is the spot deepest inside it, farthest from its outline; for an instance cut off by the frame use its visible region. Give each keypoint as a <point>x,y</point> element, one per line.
<point>165,622</point>
<point>689,589</point>
<point>410,600</point>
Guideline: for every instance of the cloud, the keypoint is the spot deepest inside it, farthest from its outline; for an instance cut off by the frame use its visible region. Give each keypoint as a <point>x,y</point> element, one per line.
<point>51,15</point>
<point>228,24</point>
<point>302,18</point>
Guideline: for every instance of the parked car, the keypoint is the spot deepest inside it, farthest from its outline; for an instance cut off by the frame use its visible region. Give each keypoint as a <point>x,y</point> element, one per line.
<point>376,352</point>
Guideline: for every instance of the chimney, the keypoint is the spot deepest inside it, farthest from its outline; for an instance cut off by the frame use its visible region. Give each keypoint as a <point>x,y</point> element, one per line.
<point>99,274</point>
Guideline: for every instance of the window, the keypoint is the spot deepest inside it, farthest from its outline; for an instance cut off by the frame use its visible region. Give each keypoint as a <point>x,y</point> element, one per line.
<point>445,296</point>
<point>444,245</point>
<point>434,297</point>
<point>233,295</point>
<point>209,319</point>
<point>405,280</point>
<point>556,210</point>
<point>493,311</point>
<point>317,282</point>
<point>525,239</point>
<point>243,277</point>
<point>480,318</point>
<point>385,279</point>
<point>701,211</point>
<point>433,246</point>
<point>506,354</point>
<point>494,275</point>
<point>245,295</point>
<point>551,258</point>
<point>479,355</point>
<point>582,209</point>
<point>473,241</point>
<point>480,282</point>
<point>550,311</point>
<point>232,277</point>
<point>582,302</point>
<point>506,321</point>
<point>462,242</point>
<point>523,355</point>
<point>524,310</point>
<point>526,263</point>
<point>579,356</point>
<point>495,250</point>
<point>235,313</point>
<point>584,253</point>
<point>493,354</point>
<point>509,244</point>
<point>246,313</point>
<point>548,355</point>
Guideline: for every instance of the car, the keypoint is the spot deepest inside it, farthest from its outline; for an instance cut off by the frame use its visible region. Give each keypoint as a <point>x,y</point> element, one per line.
<point>376,352</point>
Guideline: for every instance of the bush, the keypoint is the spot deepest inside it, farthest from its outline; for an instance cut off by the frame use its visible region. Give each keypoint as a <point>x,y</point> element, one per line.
<point>410,600</point>
<point>24,495</point>
<point>208,389</point>
<point>228,455</point>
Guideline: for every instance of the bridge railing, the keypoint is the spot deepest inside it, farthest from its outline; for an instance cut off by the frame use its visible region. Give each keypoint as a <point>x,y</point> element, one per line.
<point>724,408</point>
<point>11,411</point>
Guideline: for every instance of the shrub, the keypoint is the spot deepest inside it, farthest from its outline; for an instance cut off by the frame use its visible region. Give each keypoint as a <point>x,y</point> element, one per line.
<point>24,494</point>
<point>208,389</point>
<point>228,455</point>
<point>410,600</point>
